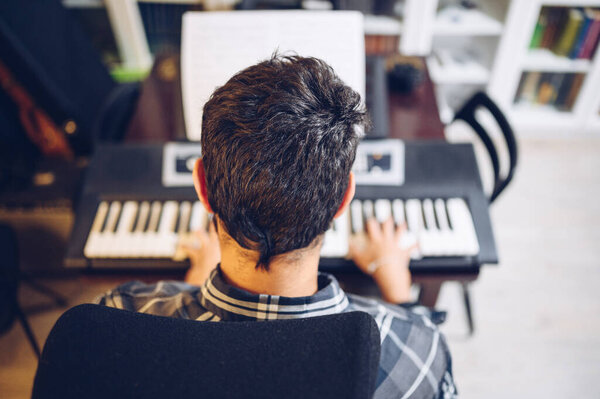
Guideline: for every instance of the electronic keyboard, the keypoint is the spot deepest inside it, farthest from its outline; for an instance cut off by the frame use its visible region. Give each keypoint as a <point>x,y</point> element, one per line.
<point>127,219</point>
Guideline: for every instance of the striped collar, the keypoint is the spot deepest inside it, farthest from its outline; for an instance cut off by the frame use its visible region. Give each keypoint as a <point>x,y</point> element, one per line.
<point>234,304</point>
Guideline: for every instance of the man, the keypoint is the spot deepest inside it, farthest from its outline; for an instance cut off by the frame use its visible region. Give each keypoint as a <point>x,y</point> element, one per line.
<point>278,143</point>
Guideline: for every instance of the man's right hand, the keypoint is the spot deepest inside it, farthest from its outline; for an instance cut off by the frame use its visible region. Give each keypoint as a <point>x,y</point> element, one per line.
<point>380,255</point>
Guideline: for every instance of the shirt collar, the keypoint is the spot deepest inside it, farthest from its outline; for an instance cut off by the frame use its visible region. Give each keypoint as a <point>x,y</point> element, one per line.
<point>229,302</point>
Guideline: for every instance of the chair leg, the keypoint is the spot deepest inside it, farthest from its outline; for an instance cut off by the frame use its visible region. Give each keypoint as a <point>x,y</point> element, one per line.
<point>58,299</point>
<point>28,331</point>
<point>467,302</point>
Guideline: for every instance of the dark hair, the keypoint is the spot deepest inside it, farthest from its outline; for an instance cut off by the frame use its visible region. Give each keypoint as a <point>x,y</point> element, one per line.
<point>278,142</point>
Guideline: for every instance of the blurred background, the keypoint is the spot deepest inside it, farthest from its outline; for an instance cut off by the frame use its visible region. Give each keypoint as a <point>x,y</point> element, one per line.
<point>77,75</point>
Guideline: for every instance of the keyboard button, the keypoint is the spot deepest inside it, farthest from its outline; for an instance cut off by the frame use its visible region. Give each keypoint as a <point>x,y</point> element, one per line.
<point>91,249</point>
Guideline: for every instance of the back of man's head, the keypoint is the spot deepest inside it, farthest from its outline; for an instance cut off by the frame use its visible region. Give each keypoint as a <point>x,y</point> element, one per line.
<point>278,142</point>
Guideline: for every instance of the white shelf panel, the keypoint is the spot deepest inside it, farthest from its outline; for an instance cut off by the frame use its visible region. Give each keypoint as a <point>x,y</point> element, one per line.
<point>546,60</point>
<point>470,72</point>
<point>460,22</point>
<point>382,25</point>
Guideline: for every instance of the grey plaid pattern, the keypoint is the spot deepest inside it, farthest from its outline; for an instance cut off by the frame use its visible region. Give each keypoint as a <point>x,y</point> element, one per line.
<point>415,360</point>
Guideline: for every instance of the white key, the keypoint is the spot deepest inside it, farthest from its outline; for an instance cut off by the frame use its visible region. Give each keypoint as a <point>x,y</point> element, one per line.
<point>108,233</point>
<point>150,243</point>
<point>138,237</point>
<point>140,225</point>
<point>430,237</point>
<point>185,210</point>
<point>368,210</point>
<point>91,246</point>
<point>356,217</point>
<point>335,243</point>
<point>383,210</point>
<point>414,218</point>
<point>398,211</point>
<point>122,238</point>
<point>198,217</point>
<point>446,235</point>
<point>462,225</point>
<point>166,230</point>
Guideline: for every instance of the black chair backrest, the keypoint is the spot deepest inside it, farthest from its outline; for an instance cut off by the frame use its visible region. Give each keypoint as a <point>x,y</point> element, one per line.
<point>99,352</point>
<point>467,114</point>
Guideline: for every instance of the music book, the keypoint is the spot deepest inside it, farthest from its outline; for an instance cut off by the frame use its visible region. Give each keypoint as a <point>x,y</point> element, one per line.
<point>216,45</point>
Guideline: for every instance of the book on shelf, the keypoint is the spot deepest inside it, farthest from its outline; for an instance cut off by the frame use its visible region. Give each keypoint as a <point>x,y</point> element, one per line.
<point>572,32</point>
<point>593,34</point>
<point>573,91</point>
<point>555,89</point>
<point>540,27</point>
<point>568,36</point>
<point>564,90</point>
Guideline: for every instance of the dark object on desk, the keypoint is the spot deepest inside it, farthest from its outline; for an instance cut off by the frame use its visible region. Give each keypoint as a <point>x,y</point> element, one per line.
<point>468,114</point>
<point>404,77</point>
<point>377,97</point>
<point>10,277</point>
<point>98,352</point>
<point>432,170</point>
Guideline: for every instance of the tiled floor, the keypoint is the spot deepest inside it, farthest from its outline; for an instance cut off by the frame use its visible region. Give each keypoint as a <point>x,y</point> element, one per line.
<point>538,329</point>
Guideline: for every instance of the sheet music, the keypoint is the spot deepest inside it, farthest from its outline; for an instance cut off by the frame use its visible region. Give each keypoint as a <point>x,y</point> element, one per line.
<point>216,45</point>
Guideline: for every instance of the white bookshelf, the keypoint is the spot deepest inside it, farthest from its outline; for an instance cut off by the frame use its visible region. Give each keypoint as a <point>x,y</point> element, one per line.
<point>515,57</point>
<point>546,60</point>
<point>459,22</point>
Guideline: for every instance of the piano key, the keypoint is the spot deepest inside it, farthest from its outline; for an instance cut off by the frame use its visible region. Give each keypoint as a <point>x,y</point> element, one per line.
<point>414,219</point>
<point>446,236</point>
<point>398,211</point>
<point>368,210</point>
<point>414,215</point>
<point>356,217</point>
<point>430,240</point>
<point>462,223</point>
<point>142,220</point>
<point>127,218</point>
<point>155,212</point>
<point>122,238</point>
<point>113,216</point>
<point>383,210</point>
<point>91,246</point>
<point>167,238</point>
<point>107,241</point>
<point>168,218</point>
<point>335,243</point>
<point>198,216</point>
<point>137,241</point>
<point>442,217</point>
<point>185,210</point>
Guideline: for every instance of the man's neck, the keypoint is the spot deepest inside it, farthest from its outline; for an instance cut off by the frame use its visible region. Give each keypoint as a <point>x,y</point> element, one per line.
<point>292,275</point>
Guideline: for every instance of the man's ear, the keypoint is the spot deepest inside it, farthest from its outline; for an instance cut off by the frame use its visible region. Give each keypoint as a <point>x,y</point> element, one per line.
<point>200,184</point>
<point>348,196</point>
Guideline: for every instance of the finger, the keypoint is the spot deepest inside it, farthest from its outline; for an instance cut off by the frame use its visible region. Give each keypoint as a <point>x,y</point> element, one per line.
<point>400,231</point>
<point>374,230</point>
<point>388,228</point>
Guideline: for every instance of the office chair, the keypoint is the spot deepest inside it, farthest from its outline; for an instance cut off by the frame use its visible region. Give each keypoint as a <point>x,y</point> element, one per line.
<point>467,113</point>
<point>99,352</point>
<point>10,277</point>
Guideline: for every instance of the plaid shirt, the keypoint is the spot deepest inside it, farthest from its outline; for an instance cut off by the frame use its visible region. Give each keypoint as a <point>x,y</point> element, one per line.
<point>415,361</point>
